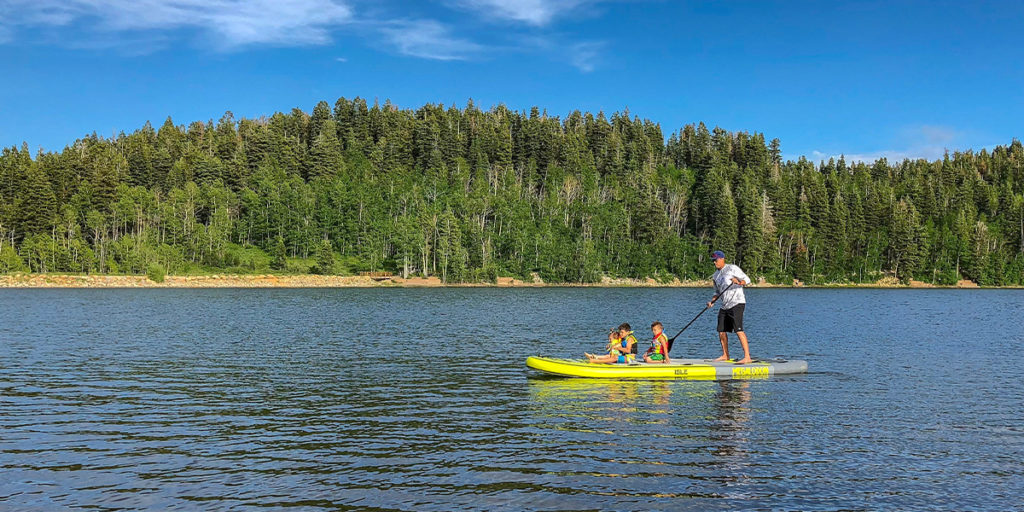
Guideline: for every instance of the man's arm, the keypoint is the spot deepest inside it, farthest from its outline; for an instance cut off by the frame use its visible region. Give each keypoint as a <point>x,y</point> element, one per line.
<point>740,278</point>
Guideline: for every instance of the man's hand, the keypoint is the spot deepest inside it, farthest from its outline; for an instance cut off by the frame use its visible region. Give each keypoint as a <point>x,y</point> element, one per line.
<point>737,281</point>
<point>710,303</point>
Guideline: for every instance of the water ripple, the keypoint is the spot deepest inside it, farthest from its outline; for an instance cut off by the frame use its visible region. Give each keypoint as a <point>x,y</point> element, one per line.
<point>419,400</point>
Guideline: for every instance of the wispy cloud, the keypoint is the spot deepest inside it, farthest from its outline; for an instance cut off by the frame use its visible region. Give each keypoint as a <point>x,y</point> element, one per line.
<point>531,12</point>
<point>932,134</point>
<point>143,26</point>
<point>929,142</point>
<point>892,155</point>
<point>584,56</point>
<point>229,23</point>
<point>428,39</point>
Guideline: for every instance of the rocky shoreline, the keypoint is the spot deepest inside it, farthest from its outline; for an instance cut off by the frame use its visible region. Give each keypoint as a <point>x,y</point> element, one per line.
<point>319,281</point>
<point>285,281</point>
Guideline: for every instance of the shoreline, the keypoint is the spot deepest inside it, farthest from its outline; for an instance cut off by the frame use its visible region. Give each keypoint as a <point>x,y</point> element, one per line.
<point>321,281</point>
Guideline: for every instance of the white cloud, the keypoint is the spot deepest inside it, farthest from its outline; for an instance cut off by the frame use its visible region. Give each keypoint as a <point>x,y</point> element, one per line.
<point>893,155</point>
<point>584,56</point>
<point>929,142</point>
<point>428,39</point>
<point>932,134</point>
<point>230,23</point>
<point>531,12</point>
<point>143,26</point>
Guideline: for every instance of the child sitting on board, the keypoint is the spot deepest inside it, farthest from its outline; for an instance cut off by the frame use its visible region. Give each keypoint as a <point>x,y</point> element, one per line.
<point>658,353</point>
<point>628,341</point>
<point>617,350</point>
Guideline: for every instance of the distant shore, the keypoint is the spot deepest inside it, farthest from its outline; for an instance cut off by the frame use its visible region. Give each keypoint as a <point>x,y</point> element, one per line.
<point>22,280</point>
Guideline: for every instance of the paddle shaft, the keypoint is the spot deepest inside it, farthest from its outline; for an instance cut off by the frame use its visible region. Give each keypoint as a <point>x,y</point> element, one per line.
<point>719,296</point>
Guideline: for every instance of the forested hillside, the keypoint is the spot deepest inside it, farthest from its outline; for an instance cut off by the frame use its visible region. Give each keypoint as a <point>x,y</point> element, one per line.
<point>468,195</point>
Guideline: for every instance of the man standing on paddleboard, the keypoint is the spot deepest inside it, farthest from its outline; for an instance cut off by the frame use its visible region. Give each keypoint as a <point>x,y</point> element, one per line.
<point>730,316</point>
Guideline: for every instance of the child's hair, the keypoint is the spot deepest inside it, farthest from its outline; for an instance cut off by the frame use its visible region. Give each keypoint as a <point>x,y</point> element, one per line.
<point>656,324</point>
<point>614,333</point>
<point>625,327</point>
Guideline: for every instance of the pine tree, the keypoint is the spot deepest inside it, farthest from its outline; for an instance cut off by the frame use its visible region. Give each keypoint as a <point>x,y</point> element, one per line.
<point>320,123</point>
<point>325,156</point>
<point>725,223</point>
<point>280,255</point>
<point>37,205</point>
<point>835,231</point>
<point>979,266</point>
<point>801,265</point>
<point>107,168</point>
<point>324,258</point>
<point>904,245</point>
<point>751,245</point>
<point>226,140</point>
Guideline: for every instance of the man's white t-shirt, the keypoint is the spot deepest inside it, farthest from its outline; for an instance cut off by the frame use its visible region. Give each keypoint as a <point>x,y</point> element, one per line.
<point>734,295</point>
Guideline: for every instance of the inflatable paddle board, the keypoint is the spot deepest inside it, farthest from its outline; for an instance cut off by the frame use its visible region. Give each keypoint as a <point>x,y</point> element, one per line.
<point>694,369</point>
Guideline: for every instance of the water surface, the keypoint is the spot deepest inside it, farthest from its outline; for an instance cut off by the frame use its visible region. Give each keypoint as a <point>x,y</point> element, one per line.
<point>407,399</point>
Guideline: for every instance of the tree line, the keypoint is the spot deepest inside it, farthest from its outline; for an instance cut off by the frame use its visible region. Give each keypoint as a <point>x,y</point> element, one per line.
<point>468,195</point>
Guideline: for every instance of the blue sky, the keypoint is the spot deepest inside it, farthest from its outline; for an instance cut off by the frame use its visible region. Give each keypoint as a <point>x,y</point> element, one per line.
<point>895,79</point>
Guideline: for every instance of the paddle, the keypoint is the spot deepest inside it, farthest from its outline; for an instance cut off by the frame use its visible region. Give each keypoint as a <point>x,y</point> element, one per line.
<point>719,296</point>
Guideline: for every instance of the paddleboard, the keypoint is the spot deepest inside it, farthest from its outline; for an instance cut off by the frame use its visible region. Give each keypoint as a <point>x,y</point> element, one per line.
<point>694,369</point>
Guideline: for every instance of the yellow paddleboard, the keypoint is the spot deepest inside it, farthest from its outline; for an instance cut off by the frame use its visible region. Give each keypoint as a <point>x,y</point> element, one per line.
<point>694,369</point>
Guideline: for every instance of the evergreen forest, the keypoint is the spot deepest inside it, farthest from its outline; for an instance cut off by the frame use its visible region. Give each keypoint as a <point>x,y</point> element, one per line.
<point>469,195</point>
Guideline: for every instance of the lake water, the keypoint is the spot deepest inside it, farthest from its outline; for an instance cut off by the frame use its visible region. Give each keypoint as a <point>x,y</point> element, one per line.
<point>418,399</point>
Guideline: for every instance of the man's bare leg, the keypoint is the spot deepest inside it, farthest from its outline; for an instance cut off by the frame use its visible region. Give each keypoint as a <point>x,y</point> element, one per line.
<point>724,338</point>
<point>746,347</point>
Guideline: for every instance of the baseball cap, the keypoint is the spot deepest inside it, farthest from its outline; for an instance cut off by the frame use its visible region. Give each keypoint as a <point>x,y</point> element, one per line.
<point>717,254</point>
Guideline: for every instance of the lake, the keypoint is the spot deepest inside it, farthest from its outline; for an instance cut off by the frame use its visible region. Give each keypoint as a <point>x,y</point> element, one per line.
<point>418,399</point>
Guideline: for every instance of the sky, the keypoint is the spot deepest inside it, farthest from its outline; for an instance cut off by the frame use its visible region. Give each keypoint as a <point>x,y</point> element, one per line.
<point>862,79</point>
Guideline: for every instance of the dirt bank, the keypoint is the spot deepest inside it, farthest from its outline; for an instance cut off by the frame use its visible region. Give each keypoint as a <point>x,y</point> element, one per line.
<point>317,281</point>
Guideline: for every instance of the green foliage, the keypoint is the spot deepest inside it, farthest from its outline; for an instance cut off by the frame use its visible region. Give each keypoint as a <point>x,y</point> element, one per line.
<point>10,261</point>
<point>468,195</point>
<point>156,273</point>
<point>246,259</point>
<point>324,259</point>
<point>36,202</point>
<point>905,240</point>
<point>279,255</point>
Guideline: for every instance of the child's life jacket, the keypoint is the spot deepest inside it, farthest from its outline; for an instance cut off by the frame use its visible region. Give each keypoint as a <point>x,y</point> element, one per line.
<point>659,344</point>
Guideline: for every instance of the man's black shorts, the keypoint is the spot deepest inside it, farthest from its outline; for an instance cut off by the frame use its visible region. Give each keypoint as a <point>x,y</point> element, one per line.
<point>731,320</point>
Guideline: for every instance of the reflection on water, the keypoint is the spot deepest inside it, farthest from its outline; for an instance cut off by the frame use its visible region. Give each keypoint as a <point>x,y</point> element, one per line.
<point>395,399</point>
<point>602,399</point>
<point>733,415</point>
<point>650,424</point>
